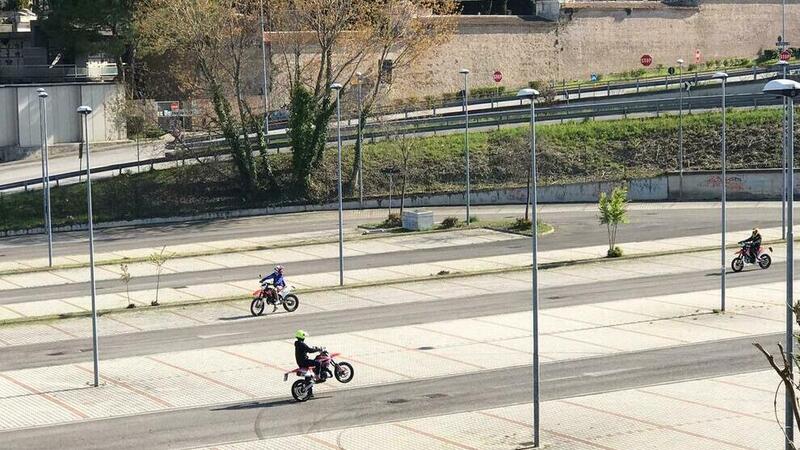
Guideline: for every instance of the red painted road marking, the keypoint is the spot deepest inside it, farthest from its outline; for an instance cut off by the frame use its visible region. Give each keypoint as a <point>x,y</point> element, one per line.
<point>433,436</point>
<point>247,358</point>
<point>123,323</point>
<point>48,397</point>
<point>554,433</point>
<point>72,335</point>
<point>420,351</point>
<point>476,341</point>
<point>768,391</point>
<point>691,402</point>
<point>204,377</point>
<point>321,442</point>
<point>129,387</point>
<point>657,425</point>
<point>185,316</point>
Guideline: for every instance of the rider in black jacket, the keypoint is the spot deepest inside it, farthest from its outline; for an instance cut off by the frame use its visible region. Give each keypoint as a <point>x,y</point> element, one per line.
<point>301,351</point>
<point>754,243</point>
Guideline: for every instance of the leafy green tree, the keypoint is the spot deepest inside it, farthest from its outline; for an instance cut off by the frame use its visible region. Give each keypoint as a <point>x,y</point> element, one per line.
<point>613,212</point>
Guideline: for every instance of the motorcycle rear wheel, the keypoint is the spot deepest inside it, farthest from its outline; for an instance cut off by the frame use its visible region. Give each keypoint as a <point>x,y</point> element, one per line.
<point>301,390</point>
<point>344,372</point>
<point>764,261</point>
<point>737,264</point>
<point>290,303</point>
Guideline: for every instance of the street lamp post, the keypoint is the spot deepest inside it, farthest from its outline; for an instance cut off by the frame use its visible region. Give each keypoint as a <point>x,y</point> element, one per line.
<point>85,111</point>
<point>783,162</point>
<point>338,88</point>
<point>465,72</point>
<point>788,89</point>
<point>359,78</point>
<point>48,224</point>
<point>724,197</point>
<point>680,128</point>
<point>532,94</point>
<point>264,69</point>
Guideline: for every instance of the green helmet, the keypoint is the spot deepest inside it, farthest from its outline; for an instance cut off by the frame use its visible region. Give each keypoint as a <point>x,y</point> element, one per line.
<point>300,334</point>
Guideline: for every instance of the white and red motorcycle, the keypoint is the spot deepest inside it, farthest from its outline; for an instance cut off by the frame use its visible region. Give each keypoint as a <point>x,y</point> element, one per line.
<point>743,257</point>
<point>268,295</point>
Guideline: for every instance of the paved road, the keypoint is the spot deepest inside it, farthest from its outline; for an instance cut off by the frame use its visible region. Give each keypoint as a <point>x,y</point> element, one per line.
<point>575,228</point>
<point>246,329</point>
<point>282,416</point>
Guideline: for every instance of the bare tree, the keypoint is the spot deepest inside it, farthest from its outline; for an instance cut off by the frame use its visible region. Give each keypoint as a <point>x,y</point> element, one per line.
<point>322,41</point>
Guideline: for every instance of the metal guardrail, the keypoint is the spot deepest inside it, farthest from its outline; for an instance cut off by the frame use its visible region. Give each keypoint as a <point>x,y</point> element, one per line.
<point>576,91</point>
<point>455,122</point>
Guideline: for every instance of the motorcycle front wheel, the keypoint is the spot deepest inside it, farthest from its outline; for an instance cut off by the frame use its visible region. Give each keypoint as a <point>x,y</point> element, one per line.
<point>343,372</point>
<point>257,307</point>
<point>737,264</point>
<point>764,261</point>
<point>301,390</point>
<point>290,302</point>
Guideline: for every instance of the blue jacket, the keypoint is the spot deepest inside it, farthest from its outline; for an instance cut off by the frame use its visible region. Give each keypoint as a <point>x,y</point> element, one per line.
<point>276,278</point>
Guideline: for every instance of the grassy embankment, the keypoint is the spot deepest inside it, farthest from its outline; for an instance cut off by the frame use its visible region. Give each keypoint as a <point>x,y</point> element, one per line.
<point>585,151</point>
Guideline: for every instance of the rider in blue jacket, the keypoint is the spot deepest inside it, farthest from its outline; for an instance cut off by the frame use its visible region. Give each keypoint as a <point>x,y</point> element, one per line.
<point>276,277</point>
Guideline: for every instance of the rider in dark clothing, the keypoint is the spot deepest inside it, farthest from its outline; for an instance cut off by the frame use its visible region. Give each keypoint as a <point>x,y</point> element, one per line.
<point>754,243</point>
<point>301,351</point>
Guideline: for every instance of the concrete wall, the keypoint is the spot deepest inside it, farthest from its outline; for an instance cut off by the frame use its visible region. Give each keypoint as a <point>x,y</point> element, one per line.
<point>741,185</point>
<point>597,38</point>
<point>19,115</point>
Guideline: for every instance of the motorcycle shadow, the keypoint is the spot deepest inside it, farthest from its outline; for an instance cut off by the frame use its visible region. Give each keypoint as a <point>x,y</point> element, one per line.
<point>265,404</point>
<point>250,316</point>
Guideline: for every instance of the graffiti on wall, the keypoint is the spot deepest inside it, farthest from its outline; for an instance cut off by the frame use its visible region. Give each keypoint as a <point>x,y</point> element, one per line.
<point>734,183</point>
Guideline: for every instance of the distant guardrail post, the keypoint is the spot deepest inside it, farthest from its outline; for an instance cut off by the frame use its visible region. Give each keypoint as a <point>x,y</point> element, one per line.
<point>637,85</point>
<point>579,91</point>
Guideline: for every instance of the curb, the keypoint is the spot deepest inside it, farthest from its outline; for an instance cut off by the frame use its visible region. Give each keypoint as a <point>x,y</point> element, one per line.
<point>452,275</point>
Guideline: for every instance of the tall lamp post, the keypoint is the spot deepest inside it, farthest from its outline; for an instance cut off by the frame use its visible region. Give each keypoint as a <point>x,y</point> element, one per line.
<point>359,79</point>
<point>788,89</point>
<point>531,94</point>
<point>338,88</point>
<point>264,69</point>
<point>680,128</point>
<point>724,196</point>
<point>85,111</point>
<point>783,162</point>
<point>465,72</point>
<point>48,225</point>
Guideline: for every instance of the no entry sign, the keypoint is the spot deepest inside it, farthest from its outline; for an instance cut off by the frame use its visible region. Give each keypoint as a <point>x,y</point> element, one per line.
<point>785,55</point>
<point>646,60</point>
<point>497,76</point>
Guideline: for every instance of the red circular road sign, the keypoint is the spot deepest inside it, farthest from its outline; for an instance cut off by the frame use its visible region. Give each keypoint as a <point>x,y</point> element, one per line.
<point>497,76</point>
<point>646,60</point>
<point>785,55</point>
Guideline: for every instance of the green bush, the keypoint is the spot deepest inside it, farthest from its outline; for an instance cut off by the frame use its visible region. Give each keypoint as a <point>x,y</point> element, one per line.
<point>392,221</point>
<point>486,91</point>
<point>616,252</point>
<point>449,222</point>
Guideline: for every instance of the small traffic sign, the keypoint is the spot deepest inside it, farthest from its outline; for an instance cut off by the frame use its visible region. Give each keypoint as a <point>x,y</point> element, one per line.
<point>594,77</point>
<point>697,56</point>
<point>671,71</point>
<point>497,76</point>
<point>646,60</point>
<point>785,55</point>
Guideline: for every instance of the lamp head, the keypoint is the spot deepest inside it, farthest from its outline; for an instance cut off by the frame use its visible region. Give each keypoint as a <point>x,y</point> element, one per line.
<point>85,110</point>
<point>785,88</point>
<point>528,93</point>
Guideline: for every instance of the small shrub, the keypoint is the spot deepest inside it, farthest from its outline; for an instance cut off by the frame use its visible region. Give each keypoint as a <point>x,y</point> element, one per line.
<point>521,224</point>
<point>615,252</point>
<point>392,221</point>
<point>473,219</point>
<point>691,67</point>
<point>450,222</point>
